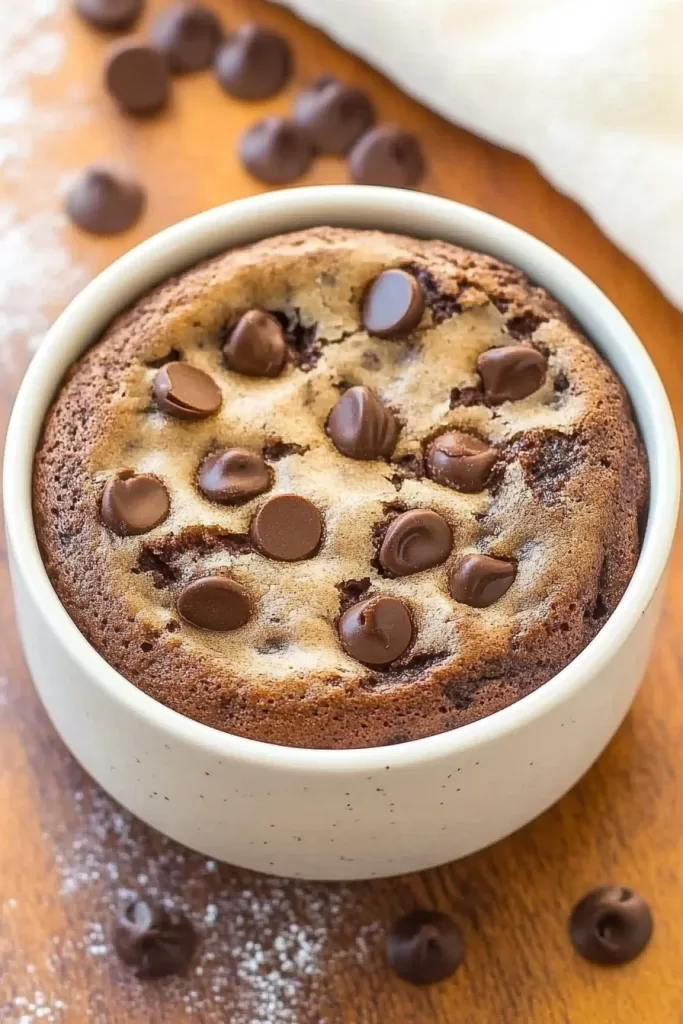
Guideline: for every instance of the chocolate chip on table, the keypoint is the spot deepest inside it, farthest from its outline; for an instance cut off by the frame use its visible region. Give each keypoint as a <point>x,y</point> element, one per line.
<point>215,603</point>
<point>393,304</point>
<point>611,925</point>
<point>110,15</point>
<point>387,155</point>
<point>189,34</point>
<point>424,947</point>
<point>256,346</point>
<point>416,540</point>
<point>254,63</point>
<point>104,200</point>
<point>480,580</point>
<point>136,76</point>
<point>333,114</point>
<point>288,528</point>
<point>185,391</point>
<point>511,372</point>
<point>233,476</point>
<point>376,631</point>
<point>276,151</point>
<point>460,461</point>
<point>154,941</point>
<point>134,503</point>
<point>361,427</point>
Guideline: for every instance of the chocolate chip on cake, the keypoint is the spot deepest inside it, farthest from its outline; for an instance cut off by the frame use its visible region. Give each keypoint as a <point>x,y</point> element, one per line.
<point>424,947</point>
<point>387,155</point>
<point>104,200</point>
<point>416,540</point>
<point>480,580</point>
<point>233,476</point>
<point>189,34</point>
<point>136,76</point>
<point>215,603</point>
<point>276,150</point>
<point>393,304</point>
<point>134,503</point>
<point>511,372</point>
<point>288,528</point>
<point>461,461</point>
<point>256,346</point>
<point>110,15</point>
<point>376,631</point>
<point>185,391</point>
<point>611,925</point>
<point>333,114</point>
<point>254,63</point>
<point>154,941</point>
<point>361,427</point>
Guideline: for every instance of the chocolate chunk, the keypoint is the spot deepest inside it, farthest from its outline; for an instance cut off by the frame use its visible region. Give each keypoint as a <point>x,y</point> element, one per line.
<point>233,476</point>
<point>333,114</point>
<point>360,425</point>
<point>479,580</point>
<point>153,940</point>
<point>424,947</point>
<point>214,602</point>
<point>376,631</point>
<point>511,372</point>
<point>387,155</point>
<point>255,63</point>
<point>610,925</point>
<point>256,346</point>
<point>184,391</point>
<point>104,200</point>
<point>416,540</point>
<point>288,528</point>
<point>460,461</point>
<point>136,77</point>
<point>110,15</point>
<point>134,503</point>
<point>393,304</point>
<point>189,34</point>
<point>276,151</point>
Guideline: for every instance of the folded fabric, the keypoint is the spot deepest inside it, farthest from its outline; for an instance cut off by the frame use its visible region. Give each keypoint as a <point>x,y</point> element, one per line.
<point>590,90</point>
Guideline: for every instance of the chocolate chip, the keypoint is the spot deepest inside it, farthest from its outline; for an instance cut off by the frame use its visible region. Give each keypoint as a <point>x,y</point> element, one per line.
<point>416,540</point>
<point>511,372</point>
<point>104,200</point>
<point>233,476</point>
<point>376,631</point>
<point>254,63</point>
<point>460,461</point>
<point>610,925</point>
<point>153,940</point>
<point>288,528</point>
<point>393,304</point>
<point>276,151</point>
<point>387,155</point>
<point>256,346</point>
<point>134,503</point>
<point>189,34</point>
<point>333,114</point>
<point>136,77</point>
<point>214,602</point>
<point>110,15</point>
<point>479,580</point>
<point>360,425</point>
<point>184,391</point>
<point>424,947</point>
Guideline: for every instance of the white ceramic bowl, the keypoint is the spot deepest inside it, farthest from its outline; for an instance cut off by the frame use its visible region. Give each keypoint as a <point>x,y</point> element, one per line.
<point>347,813</point>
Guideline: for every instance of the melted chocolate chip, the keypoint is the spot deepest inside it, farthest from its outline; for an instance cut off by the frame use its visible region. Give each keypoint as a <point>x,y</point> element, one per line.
<point>333,114</point>
<point>361,426</point>
<point>276,150</point>
<point>184,391</point>
<point>233,476</point>
<point>376,631</point>
<point>134,503</point>
<point>424,947</point>
<point>288,528</point>
<point>254,63</point>
<point>610,925</point>
<point>136,76</point>
<point>104,200</point>
<point>460,461</point>
<point>479,580</point>
<point>155,941</point>
<point>256,346</point>
<point>215,603</point>
<point>189,34</point>
<point>110,15</point>
<point>416,540</point>
<point>387,155</point>
<point>393,304</point>
<point>511,372</point>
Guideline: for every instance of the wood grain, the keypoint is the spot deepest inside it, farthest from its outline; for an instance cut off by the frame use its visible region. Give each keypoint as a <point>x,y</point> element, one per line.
<point>62,841</point>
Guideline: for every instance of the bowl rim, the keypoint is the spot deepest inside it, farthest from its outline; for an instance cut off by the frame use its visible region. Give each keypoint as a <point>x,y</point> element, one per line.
<point>237,223</point>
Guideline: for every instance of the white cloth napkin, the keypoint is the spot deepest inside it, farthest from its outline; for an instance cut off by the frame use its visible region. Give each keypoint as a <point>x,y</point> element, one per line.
<point>590,90</point>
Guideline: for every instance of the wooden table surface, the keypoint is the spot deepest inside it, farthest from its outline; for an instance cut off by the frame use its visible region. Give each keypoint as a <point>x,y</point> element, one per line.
<point>275,952</point>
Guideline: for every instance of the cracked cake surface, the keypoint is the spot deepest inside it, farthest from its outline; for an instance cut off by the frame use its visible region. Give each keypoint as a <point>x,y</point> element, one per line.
<point>554,493</point>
